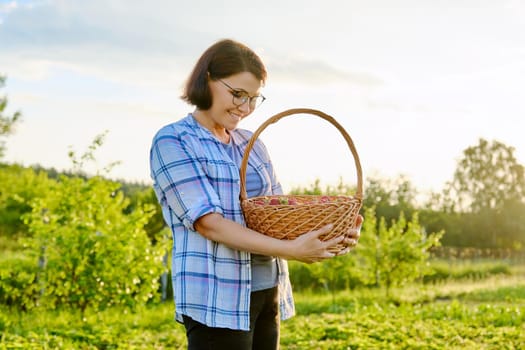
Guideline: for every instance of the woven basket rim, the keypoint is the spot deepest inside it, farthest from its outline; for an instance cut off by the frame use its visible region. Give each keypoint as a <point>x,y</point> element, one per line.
<point>301,196</point>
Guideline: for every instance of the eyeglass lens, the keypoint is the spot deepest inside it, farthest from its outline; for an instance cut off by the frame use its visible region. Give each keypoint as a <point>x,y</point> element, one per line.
<point>241,97</point>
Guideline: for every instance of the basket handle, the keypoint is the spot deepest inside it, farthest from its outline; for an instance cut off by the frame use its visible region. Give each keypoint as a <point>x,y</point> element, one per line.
<point>277,117</point>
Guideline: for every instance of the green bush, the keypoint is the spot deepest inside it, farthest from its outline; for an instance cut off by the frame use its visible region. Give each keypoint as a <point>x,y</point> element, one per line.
<point>443,271</point>
<point>19,287</point>
<point>20,186</point>
<point>302,277</point>
<point>339,273</point>
<point>395,254</point>
<point>385,257</point>
<point>96,255</point>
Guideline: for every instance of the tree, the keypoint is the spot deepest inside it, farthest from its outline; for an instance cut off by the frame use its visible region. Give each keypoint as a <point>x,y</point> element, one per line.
<point>390,256</point>
<point>94,255</point>
<point>315,189</point>
<point>93,251</point>
<point>488,176</point>
<point>7,122</point>
<point>390,197</point>
<point>488,192</point>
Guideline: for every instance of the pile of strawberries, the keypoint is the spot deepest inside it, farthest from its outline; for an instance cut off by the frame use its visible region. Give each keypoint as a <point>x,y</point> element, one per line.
<point>290,200</point>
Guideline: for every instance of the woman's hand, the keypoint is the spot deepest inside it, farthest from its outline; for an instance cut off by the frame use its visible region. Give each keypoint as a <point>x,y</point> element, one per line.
<point>308,248</point>
<point>352,238</point>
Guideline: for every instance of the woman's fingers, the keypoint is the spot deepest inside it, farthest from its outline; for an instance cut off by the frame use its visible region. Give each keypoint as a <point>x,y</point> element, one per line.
<point>314,250</point>
<point>359,221</point>
<point>309,248</point>
<point>344,251</point>
<point>355,232</point>
<point>323,230</point>
<point>350,240</point>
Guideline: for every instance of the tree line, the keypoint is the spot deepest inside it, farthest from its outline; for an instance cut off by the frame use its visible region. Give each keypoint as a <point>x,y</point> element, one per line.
<point>82,240</point>
<point>483,205</point>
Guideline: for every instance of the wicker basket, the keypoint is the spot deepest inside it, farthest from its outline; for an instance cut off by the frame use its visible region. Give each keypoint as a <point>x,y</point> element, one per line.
<point>287,217</point>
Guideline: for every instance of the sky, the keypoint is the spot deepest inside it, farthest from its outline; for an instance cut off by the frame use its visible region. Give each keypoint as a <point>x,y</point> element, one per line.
<point>413,82</point>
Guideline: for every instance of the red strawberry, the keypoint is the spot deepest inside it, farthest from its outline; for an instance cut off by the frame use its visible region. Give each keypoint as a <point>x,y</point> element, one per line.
<point>325,199</point>
<point>292,201</point>
<point>275,201</point>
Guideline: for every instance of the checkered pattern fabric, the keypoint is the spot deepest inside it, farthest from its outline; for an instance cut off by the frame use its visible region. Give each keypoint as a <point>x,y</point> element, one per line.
<point>193,176</point>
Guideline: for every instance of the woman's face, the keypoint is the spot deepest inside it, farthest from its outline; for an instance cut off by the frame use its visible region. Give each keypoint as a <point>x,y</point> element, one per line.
<point>228,94</point>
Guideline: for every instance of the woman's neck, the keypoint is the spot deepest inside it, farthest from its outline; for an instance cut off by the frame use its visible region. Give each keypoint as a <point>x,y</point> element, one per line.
<point>217,130</point>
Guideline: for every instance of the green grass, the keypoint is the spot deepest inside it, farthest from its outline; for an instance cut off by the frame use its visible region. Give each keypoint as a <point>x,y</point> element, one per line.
<point>487,314</point>
<point>466,270</point>
<point>478,314</point>
<point>432,326</point>
<point>151,328</point>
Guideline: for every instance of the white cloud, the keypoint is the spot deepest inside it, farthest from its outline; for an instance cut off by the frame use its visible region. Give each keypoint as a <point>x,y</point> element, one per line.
<point>301,69</point>
<point>150,45</point>
<point>7,7</point>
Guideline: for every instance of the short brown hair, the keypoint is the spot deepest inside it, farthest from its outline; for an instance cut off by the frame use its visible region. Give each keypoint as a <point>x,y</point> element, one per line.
<point>223,59</point>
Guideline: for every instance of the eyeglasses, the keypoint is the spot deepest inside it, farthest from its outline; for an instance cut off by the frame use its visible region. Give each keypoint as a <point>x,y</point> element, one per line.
<point>240,97</point>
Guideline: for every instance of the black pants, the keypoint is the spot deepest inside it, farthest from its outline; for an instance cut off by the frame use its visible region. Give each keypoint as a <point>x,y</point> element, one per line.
<point>263,333</point>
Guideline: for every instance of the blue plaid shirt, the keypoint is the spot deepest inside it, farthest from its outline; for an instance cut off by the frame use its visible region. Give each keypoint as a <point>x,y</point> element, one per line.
<point>193,176</point>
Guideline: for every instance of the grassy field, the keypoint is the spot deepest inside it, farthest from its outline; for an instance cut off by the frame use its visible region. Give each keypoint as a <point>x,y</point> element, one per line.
<point>480,314</point>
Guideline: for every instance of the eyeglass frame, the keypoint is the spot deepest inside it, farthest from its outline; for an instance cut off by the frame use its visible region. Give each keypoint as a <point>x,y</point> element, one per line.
<point>246,97</point>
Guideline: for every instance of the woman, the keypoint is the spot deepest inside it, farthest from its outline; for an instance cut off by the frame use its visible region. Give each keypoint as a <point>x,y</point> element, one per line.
<point>231,284</point>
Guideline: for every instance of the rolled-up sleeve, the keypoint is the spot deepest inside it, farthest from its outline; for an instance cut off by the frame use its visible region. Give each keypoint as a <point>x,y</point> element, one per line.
<point>179,179</point>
